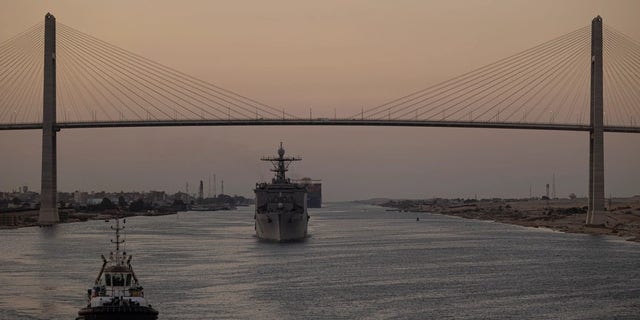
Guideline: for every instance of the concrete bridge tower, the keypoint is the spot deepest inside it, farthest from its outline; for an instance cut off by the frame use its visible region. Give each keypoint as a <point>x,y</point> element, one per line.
<point>49,191</point>
<point>595,215</point>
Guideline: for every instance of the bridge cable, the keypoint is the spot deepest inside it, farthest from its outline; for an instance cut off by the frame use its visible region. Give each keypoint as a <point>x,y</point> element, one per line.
<point>613,96</point>
<point>505,62</point>
<point>500,78</point>
<point>14,78</point>
<point>622,52</point>
<point>149,85</point>
<point>91,68</point>
<point>475,86</point>
<point>160,77</point>
<point>128,78</point>
<point>169,73</point>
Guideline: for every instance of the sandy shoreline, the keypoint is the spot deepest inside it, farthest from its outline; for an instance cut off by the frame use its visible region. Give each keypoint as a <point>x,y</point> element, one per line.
<point>565,215</point>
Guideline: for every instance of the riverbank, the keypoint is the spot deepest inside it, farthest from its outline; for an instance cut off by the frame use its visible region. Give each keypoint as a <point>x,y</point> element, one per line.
<point>565,215</point>
<point>21,219</point>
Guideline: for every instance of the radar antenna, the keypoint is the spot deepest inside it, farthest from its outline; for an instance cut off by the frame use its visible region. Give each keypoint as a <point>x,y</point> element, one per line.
<point>280,165</point>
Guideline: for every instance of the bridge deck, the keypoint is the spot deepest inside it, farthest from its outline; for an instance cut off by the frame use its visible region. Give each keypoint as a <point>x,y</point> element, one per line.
<point>321,122</point>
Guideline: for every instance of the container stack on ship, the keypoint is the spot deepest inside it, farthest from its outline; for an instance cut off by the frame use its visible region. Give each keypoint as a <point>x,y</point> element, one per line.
<point>281,206</point>
<point>314,192</point>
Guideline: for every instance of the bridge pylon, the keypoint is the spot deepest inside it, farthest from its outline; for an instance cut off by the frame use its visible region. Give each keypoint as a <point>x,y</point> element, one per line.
<point>49,189</point>
<point>596,212</point>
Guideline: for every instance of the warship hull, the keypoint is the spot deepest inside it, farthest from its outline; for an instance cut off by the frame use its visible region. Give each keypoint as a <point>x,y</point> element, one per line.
<point>281,212</point>
<point>117,313</point>
<point>281,227</point>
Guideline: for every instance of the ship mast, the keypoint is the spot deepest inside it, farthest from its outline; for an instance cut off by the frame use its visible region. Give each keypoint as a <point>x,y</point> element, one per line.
<point>280,165</point>
<point>118,258</point>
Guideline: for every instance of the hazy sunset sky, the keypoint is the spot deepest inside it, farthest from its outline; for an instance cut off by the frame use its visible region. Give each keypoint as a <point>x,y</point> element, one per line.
<point>341,55</point>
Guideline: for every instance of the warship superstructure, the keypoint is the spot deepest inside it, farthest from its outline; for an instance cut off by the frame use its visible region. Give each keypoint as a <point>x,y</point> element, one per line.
<point>281,206</point>
<point>116,293</point>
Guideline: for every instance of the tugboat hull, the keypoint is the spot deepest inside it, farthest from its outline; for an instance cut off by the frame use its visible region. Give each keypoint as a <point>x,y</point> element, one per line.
<point>118,313</point>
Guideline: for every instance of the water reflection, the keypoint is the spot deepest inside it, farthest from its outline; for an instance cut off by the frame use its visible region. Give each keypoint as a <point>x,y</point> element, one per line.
<point>361,262</point>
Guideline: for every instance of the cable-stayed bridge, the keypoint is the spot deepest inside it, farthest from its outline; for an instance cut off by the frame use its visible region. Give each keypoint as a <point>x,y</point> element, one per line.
<point>585,80</point>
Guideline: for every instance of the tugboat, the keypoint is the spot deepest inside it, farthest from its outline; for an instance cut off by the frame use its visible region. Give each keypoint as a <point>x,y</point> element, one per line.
<point>281,206</point>
<point>116,293</point>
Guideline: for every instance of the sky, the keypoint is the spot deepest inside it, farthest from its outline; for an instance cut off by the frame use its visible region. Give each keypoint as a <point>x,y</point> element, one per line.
<point>326,55</point>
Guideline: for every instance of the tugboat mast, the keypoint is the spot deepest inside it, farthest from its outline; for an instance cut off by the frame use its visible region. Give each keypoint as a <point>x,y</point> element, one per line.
<point>118,258</point>
<point>280,165</point>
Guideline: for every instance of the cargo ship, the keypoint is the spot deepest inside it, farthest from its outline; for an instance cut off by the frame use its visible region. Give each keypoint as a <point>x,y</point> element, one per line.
<point>314,192</point>
<point>116,292</point>
<point>281,206</point>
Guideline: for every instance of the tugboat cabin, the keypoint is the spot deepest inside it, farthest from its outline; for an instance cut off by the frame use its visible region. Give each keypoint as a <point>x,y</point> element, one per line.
<point>118,276</point>
<point>116,281</point>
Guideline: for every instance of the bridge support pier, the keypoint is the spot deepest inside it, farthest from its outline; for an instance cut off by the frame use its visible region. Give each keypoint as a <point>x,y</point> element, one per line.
<point>49,188</point>
<point>596,213</point>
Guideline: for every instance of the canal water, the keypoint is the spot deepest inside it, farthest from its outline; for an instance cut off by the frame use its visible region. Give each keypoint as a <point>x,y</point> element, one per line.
<point>361,262</point>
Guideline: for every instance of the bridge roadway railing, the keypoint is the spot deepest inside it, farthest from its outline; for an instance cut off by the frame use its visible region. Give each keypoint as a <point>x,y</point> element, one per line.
<point>321,122</point>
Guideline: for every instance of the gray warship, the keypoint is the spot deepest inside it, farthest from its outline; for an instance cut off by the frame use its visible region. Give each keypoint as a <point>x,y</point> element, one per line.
<point>281,206</point>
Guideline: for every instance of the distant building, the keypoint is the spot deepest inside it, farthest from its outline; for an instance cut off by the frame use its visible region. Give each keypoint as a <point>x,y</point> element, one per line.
<point>182,196</point>
<point>156,196</point>
<point>80,197</point>
<point>94,201</point>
